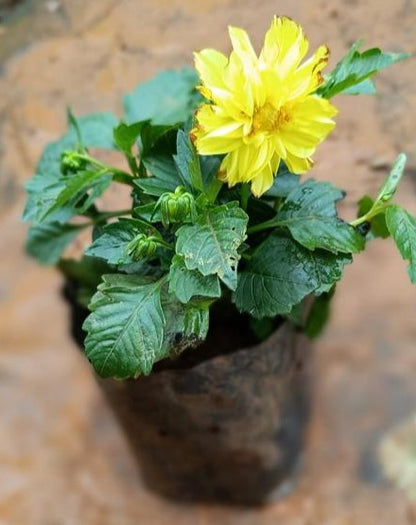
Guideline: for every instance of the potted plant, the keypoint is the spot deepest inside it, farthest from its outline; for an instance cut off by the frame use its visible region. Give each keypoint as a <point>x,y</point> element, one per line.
<point>194,298</point>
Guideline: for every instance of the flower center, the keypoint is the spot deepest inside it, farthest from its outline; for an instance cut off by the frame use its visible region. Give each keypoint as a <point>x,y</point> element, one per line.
<point>268,119</point>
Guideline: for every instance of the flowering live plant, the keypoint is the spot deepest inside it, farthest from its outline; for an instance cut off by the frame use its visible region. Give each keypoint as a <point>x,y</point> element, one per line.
<point>218,210</point>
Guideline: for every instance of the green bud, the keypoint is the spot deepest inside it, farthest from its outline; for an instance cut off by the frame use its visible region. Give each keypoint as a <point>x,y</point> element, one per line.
<point>176,207</point>
<point>71,162</point>
<point>142,246</point>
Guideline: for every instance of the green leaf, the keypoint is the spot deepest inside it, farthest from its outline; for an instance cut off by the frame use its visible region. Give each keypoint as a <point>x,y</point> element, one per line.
<point>74,191</point>
<point>354,70</point>
<point>186,284</point>
<point>151,137</point>
<point>126,135</point>
<point>187,162</point>
<point>211,244</point>
<point>402,227</point>
<point>281,273</point>
<point>167,99</point>
<point>47,241</point>
<point>186,324</point>
<point>111,245</point>
<point>196,320</point>
<point>148,212</point>
<point>210,165</point>
<point>165,176</point>
<point>366,87</point>
<point>126,327</point>
<point>43,190</point>
<point>391,183</point>
<point>283,183</point>
<point>310,214</point>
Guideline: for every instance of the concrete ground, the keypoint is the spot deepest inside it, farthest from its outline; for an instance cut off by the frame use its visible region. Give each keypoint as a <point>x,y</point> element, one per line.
<point>63,459</point>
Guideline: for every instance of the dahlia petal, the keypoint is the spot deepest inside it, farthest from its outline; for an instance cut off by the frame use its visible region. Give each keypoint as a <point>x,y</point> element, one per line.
<point>210,65</point>
<point>298,165</point>
<point>284,46</point>
<point>262,182</point>
<point>314,108</point>
<point>242,45</point>
<point>307,78</point>
<point>230,130</point>
<point>215,145</point>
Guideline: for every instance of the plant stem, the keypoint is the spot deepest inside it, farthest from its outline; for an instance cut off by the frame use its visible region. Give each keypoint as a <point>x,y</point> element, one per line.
<point>375,210</point>
<point>165,244</point>
<point>103,216</point>
<point>119,175</point>
<point>272,223</point>
<point>245,195</point>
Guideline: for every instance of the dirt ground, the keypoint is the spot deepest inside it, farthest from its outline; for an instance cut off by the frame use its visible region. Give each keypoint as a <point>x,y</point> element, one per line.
<point>63,459</point>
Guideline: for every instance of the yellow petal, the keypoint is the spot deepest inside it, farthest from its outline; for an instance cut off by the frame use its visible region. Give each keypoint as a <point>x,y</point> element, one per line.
<point>262,182</point>
<point>210,65</point>
<point>244,68</point>
<point>307,78</point>
<point>284,46</point>
<point>242,45</point>
<point>298,165</point>
<point>214,145</point>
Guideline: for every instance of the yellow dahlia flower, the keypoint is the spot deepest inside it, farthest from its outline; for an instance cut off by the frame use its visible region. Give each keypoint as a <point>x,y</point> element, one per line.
<point>263,108</point>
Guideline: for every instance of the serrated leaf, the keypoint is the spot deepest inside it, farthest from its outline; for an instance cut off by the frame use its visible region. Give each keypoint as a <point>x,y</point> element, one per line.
<point>47,241</point>
<point>165,176</point>
<point>283,183</point>
<point>210,165</point>
<point>187,162</point>
<point>148,212</point>
<point>151,137</point>
<point>355,68</point>
<point>309,212</point>
<point>281,273</point>
<point>112,244</point>
<point>196,320</point>
<point>43,190</point>
<point>167,99</point>
<point>211,244</point>
<point>126,135</point>
<point>366,87</point>
<point>75,188</point>
<point>185,284</point>
<point>402,226</point>
<point>186,324</point>
<point>125,327</point>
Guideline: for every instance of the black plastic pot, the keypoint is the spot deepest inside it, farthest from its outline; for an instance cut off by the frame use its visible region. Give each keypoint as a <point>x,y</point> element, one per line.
<point>228,428</point>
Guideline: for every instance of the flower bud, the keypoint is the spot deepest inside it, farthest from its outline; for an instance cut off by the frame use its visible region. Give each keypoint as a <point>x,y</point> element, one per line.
<point>177,206</point>
<point>142,246</point>
<point>71,162</point>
